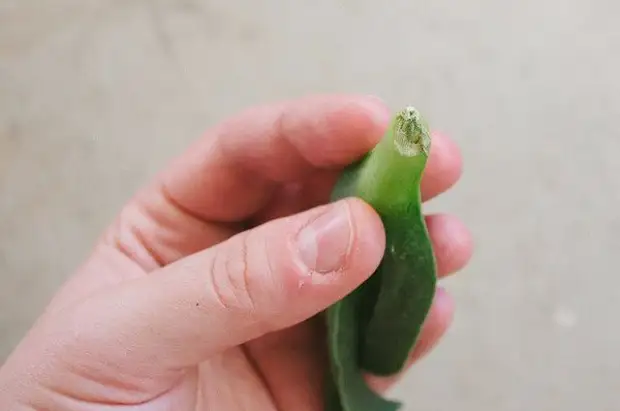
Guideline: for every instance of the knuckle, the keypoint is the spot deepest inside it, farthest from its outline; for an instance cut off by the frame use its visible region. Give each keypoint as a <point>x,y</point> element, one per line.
<point>254,277</point>
<point>232,286</point>
<point>131,235</point>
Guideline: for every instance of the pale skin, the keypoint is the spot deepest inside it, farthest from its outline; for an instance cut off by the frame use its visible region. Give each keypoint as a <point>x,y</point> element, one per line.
<point>204,293</point>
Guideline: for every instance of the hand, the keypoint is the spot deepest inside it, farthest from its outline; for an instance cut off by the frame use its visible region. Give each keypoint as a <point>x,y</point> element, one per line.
<point>204,292</point>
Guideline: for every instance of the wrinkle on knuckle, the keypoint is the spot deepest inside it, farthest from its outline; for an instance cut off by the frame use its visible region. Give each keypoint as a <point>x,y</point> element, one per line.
<point>129,234</point>
<point>216,285</point>
<point>293,163</point>
<point>232,286</point>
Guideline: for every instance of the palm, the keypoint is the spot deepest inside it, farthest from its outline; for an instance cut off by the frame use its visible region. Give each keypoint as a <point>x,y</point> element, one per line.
<point>280,371</point>
<point>283,370</point>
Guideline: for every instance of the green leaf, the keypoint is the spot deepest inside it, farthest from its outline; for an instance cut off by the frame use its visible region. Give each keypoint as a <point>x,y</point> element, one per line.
<point>375,328</point>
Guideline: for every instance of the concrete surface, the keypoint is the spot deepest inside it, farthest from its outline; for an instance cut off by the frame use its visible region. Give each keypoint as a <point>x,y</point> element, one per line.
<point>97,95</point>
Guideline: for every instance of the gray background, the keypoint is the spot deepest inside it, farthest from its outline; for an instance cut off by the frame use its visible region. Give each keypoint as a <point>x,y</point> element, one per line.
<point>95,96</point>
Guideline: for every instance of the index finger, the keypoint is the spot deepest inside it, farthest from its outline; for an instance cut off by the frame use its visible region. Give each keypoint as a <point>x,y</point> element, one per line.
<point>232,171</point>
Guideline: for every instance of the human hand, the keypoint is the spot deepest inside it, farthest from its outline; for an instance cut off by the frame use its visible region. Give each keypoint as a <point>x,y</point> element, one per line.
<point>204,292</point>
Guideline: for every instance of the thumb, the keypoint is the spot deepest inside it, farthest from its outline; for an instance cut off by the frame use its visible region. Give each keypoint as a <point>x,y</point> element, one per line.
<point>262,280</point>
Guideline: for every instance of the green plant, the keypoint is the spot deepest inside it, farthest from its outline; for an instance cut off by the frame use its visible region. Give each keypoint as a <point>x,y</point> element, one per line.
<point>375,327</point>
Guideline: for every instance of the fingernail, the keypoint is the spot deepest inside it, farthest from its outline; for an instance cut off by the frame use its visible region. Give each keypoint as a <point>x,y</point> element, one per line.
<point>324,243</point>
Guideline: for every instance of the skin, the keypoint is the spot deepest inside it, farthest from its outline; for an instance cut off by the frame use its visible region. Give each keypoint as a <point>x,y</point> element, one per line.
<point>202,294</point>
